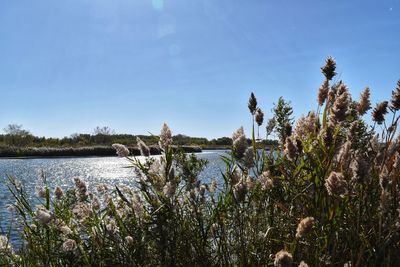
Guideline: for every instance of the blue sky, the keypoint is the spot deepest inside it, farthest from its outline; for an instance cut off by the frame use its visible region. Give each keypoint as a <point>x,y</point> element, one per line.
<point>69,66</point>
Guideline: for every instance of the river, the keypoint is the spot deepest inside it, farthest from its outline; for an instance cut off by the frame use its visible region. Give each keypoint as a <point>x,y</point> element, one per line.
<point>62,171</point>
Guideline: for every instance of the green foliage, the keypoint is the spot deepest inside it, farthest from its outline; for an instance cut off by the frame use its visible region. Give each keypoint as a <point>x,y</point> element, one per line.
<point>284,120</point>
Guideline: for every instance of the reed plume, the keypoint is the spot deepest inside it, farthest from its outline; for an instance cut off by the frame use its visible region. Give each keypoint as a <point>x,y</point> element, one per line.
<point>329,69</point>
<point>395,103</point>
<point>341,104</point>
<point>323,92</point>
<point>165,137</point>
<point>252,105</point>
<point>239,142</point>
<point>259,117</point>
<point>365,104</point>
<point>379,112</point>
<point>290,149</point>
<point>122,151</point>
<point>283,259</point>
<point>144,149</point>
<point>335,184</point>
<point>304,227</point>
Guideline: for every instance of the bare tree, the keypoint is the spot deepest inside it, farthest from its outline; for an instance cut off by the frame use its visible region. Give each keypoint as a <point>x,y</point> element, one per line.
<point>102,135</point>
<point>105,130</point>
<point>17,136</point>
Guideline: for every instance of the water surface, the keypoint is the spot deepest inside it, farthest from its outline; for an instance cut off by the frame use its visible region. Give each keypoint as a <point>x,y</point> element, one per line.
<point>62,171</point>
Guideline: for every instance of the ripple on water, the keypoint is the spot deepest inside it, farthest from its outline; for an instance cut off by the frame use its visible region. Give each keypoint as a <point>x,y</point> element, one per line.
<point>62,171</point>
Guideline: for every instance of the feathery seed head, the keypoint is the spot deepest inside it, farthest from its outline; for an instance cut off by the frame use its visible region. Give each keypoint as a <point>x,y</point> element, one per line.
<point>33,227</point>
<point>290,149</point>
<point>96,203</point>
<point>202,190</point>
<point>239,132</point>
<point>270,126</point>
<point>248,157</point>
<point>236,176</point>
<point>81,211</point>
<point>41,192</point>
<point>306,126</point>
<point>378,114</point>
<point>326,135</point>
<point>213,186</point>
<point>375,143</point>
<point>323,92</point>
<point>65,230</point>
<point>169,189</point>
<point>240,190</point>
<point>239,143</point>
<point>111,226</point>
<point>165,137</point>
<point>340,108</point>
<point>288,129</point>
<point>250,183</point>
<point>58,192</point>
<point>304,227</point>
<point>129,240</point>
<point>359,168</point>
<point>396,162</point>
<point>144,149</point>
<point>43,216</point>
<point>252,104</point>
<point>122,151</point>
<point>393,147</point>
<point>395,103</point>
<point>101,188</point>
<point>283,259</point>
<point>352,133</point>
<point>214,229</point>
<point>5,245</point>
<point>265,181</point>
<point>69,246</point>
<point>335,184</point>
<point>80,189</point>
<point>384,179</point>
<point>344,155</point>
<point>259,117</point>
<point>137,205</point>
<point>329,69</point>
<point>365,104</point>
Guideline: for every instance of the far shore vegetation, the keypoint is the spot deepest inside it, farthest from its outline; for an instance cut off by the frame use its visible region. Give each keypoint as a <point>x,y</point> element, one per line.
<point>19,142</point>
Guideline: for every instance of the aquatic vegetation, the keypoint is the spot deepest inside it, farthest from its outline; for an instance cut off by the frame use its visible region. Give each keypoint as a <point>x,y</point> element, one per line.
<point>327,194</point>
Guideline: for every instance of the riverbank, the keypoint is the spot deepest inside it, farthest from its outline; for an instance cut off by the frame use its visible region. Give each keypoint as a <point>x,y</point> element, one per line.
<point>93,151</point>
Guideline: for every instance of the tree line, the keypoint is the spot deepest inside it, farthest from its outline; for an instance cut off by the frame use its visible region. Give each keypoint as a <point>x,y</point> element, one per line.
<point>16,136</point>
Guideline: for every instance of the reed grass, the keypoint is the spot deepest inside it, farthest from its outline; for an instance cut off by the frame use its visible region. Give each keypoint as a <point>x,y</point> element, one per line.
<point>328,195</point>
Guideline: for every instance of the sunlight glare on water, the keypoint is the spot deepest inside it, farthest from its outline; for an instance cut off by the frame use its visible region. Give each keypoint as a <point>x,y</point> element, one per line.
<point>62,171</point>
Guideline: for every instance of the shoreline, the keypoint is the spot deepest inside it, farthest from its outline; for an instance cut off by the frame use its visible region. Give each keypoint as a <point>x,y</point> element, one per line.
<point>78,152</point>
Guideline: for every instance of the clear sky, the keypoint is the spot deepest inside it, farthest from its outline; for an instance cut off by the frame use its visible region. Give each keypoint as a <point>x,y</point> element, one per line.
<point>69,66</point>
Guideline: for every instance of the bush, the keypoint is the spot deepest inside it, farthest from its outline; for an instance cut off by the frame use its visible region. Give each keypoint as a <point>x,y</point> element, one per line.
<point>326,195</point>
